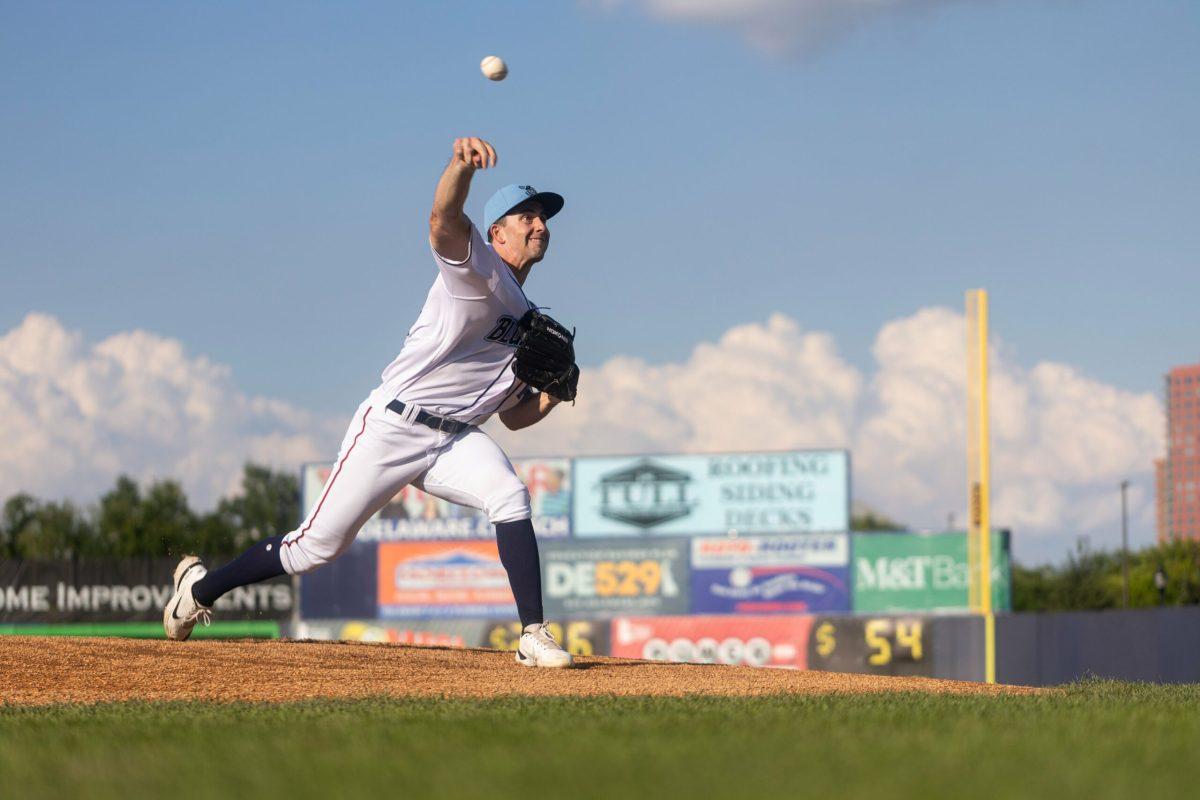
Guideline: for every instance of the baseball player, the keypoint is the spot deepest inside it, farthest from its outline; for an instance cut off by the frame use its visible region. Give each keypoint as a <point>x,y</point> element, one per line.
<point>479,347</point>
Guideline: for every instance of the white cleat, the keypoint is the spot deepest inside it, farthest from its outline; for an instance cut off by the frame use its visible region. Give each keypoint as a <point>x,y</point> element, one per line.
<point>537,648</point>
<point>182,611</point>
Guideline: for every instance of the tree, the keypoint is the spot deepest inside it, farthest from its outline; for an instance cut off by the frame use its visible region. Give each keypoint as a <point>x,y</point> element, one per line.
<point>57,530</point>
<point>169,524</point>
<point>120,518</point>
<point>1090,580</point>
<point>216,534</point>
<point>863,518</point>
<point>19,512</point>
<point>268,505</point>
<point>160,523</point>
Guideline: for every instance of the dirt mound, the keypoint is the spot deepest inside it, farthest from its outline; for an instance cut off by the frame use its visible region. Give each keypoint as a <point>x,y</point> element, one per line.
<point>43,671</point>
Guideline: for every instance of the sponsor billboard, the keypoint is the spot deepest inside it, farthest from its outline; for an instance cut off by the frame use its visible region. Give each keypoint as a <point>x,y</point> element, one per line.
<point>783,492</point>
<point>118,590</point>
<point>436,632</point>
<point>901,572</point>
<point>579,637</point>
<point>602,578</point>
<point>767,641</point>
<point>771,574</point>
<point>442,579</point>
<point>415,515</point>
<point>879,646</point>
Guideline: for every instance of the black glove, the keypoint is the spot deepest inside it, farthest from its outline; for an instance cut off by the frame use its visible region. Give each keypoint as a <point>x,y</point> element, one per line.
<point>546,356</point>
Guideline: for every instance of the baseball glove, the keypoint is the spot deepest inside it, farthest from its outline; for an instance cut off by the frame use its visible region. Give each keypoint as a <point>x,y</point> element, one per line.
<point>546,355</point>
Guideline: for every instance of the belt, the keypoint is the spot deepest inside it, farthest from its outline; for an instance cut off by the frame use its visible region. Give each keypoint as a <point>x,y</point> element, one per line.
<point>450,426</point>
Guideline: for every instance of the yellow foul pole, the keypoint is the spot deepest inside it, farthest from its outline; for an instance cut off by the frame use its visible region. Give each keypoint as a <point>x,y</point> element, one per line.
<point>979,473</point>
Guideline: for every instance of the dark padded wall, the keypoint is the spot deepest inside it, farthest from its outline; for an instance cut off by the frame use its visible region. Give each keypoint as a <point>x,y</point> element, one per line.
<point>1160,644</point>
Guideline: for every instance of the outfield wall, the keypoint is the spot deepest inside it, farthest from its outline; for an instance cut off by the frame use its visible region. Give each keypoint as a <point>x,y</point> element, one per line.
<point>1147,644</point>
<point>1160,645</point>
<point>113,594</point>
<point>930,646</point>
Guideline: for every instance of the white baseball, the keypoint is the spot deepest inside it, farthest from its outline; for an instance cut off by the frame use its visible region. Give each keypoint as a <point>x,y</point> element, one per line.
<point>494,68</point>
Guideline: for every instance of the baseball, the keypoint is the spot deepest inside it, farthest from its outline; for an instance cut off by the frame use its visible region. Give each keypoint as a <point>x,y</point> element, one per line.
<point>494,68</point>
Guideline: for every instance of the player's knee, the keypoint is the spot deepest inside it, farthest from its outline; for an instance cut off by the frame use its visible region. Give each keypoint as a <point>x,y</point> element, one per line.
<point>304,554</point>
<point>509,502</point>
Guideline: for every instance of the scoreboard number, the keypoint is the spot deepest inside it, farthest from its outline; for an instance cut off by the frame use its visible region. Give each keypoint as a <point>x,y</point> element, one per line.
<point>881,645</point>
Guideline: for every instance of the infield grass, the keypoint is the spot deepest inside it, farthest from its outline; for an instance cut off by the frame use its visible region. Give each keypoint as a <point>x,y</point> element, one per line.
<point>1094,740</point>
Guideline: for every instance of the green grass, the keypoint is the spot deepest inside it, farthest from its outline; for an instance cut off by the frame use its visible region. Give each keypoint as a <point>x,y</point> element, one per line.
<point>1093,740</point>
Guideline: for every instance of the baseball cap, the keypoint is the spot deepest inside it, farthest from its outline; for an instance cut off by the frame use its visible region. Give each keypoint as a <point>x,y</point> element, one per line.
<point>509,197</point>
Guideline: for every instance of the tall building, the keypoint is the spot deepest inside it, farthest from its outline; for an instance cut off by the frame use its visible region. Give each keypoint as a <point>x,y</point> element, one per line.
<point>1178,474</point>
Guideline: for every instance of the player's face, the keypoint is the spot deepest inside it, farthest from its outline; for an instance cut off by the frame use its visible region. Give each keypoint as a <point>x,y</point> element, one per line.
<point>524,234</point>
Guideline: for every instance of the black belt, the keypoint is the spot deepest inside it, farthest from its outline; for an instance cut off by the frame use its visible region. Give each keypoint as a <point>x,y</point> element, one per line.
<point>450,426</point>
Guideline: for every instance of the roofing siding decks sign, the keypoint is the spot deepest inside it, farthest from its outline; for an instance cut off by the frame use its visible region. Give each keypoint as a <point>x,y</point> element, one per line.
<point>784,492</point>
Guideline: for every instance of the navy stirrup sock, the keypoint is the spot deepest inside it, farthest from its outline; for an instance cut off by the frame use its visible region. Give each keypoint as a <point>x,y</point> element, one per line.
<point>519,555</point>
<point>258,563</point>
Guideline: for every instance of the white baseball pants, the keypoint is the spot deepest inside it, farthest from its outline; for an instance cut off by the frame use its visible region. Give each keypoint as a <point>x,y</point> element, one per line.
<point>381,453</point>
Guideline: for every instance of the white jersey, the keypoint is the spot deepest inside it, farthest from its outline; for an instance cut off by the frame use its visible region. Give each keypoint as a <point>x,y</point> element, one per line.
<point>457,358</point>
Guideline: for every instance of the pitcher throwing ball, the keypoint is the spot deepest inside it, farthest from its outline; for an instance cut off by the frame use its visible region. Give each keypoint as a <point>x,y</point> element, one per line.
<point>479,347</point>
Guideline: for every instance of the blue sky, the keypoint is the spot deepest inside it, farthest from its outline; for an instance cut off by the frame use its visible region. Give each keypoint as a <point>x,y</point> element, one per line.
<point>253,180</point>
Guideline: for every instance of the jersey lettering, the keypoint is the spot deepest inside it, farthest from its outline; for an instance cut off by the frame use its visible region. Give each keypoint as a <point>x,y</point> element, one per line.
<point>506,331</point>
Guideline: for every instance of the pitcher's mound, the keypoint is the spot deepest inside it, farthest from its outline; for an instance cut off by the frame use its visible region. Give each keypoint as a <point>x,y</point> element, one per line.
<point>43,671</point>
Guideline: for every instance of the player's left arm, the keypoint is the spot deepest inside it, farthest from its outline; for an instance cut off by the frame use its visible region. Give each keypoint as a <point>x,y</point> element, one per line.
<point>531,410</point>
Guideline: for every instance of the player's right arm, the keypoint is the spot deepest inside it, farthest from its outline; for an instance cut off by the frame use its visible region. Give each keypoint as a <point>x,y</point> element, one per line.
<point>449,228</point>
<point>530,411</point>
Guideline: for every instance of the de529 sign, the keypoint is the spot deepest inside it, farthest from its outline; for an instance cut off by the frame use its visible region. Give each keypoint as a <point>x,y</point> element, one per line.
<point>605,578</point>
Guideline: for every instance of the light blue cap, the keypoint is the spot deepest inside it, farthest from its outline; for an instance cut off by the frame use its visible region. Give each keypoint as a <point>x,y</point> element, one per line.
<point>509,197</point>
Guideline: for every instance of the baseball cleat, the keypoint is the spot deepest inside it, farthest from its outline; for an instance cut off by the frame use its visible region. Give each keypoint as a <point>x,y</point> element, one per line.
<point>537,648</point>
<point>182,611</point>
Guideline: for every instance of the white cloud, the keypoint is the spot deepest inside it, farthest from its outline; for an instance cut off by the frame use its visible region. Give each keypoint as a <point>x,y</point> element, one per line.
<point>1061,441</point>
<point>779,25</point>
<point>73,416</point>
<point>761,386</point>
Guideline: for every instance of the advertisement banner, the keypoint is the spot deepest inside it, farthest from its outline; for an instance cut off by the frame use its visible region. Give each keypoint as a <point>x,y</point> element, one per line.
<point>415,515</point>
<point>442,579</point>
<point>579,637</point>
<point>901,572</point>
<point>751,493</point>
<point>879,646</point>
<point>606,578</point>
<point>771,574</point>
<point>118,590</point>
<point>773,641</point>
<point>433,632</point>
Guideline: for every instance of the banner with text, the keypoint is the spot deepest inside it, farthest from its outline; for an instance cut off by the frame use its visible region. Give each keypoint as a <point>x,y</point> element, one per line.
<point>900,572</point>
<point>442,579</point>
<point>601,578</point>
<point>881,645</point>
<point>435,632</point>
<point>414,515</point>
<point>771,574</point>
<point>579,637</point>
<point>779,641</point>
<point>784,492</point>
<point>118,590</point>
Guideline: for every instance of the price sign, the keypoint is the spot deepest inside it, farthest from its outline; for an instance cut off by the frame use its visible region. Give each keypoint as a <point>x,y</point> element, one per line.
<point>580,638</point>
<point>879,645</point>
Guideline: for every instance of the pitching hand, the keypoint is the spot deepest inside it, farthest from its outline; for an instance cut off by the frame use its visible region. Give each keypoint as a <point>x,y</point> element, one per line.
<point>474,152</point>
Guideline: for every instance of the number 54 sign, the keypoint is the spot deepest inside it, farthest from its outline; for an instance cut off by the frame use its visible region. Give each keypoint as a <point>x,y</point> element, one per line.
<point>879,645</point>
